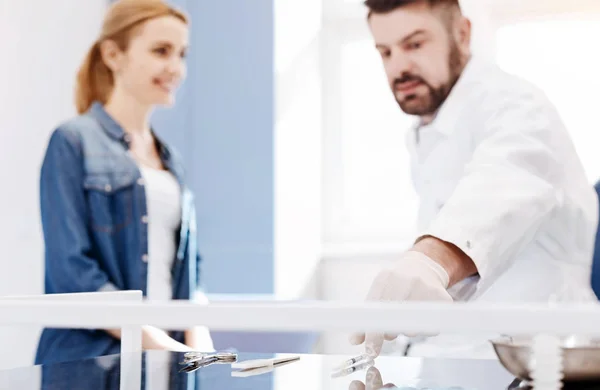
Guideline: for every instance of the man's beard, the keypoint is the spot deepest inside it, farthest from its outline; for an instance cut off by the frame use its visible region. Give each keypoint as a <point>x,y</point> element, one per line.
<point>429,103</point>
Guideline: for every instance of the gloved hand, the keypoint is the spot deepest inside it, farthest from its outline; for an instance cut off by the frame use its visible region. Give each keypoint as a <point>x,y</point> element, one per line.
<point>373,381</point>
<point>414,277</point>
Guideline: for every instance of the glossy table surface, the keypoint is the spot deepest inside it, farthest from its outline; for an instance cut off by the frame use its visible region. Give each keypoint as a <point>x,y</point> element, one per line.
<point>160,371</point>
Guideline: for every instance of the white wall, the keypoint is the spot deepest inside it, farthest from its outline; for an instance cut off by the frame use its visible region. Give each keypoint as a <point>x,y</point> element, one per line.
<point>44,42</point>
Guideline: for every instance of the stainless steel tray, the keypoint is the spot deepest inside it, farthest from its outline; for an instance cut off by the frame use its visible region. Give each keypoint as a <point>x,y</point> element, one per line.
<point>581,357</point>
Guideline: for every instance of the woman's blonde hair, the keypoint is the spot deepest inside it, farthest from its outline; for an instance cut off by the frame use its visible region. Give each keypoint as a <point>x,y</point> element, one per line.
<point>94,79</point>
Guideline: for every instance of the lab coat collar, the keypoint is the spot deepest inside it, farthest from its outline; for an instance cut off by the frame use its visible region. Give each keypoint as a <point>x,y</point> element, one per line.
<point>447,116</point>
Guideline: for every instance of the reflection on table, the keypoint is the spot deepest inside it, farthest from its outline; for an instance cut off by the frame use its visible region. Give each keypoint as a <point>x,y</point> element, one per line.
<point>310,372</point>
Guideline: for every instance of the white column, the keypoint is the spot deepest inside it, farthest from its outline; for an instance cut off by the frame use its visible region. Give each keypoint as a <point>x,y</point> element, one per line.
<point>297,144</point>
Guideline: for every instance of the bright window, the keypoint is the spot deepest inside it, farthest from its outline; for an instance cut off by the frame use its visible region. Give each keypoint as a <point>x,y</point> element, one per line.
<point>561,57</point>
<point>372,198</point>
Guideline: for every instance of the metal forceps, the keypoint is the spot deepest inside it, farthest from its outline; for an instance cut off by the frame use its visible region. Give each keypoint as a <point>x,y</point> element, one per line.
<point>195,360</point>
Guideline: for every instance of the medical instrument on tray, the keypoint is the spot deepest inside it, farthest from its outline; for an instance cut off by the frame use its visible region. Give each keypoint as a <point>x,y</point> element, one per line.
<point>260,366</point>
<point>195,360</point>
<point>350,362</point>
<point>352,365</point>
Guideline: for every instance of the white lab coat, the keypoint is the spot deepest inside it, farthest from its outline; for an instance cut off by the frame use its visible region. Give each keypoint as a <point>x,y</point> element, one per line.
<point>498,176</point>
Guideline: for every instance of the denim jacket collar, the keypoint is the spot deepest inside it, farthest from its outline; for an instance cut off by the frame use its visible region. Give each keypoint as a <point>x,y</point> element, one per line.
<point>113,129</point>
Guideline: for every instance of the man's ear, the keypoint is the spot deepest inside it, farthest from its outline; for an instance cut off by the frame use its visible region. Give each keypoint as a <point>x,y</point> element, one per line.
<point>462,34</point>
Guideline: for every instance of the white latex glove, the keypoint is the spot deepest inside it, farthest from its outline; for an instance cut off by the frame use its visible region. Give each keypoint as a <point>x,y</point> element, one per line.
<point>414,277</point>
<point>373,381</point>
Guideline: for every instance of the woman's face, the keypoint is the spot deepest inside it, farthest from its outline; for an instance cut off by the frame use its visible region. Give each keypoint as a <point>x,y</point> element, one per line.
<point>152,67</point>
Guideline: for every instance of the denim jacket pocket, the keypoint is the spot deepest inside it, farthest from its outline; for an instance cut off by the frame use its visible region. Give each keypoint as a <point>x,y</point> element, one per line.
<point>110,200</point>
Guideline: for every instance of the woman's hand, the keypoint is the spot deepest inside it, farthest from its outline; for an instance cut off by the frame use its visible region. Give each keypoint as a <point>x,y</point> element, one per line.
<point>155,338</point>
<point>199,339</point>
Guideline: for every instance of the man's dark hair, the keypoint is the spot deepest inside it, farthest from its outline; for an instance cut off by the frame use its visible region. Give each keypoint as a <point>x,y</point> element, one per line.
<point>385,6</point>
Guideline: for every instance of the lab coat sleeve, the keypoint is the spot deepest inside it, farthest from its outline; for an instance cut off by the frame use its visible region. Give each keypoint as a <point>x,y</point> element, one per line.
<point>509,188</point>
<point>69,265</point>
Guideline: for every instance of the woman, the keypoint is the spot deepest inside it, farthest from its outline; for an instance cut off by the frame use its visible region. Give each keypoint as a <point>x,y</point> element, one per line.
<point>116,213</point>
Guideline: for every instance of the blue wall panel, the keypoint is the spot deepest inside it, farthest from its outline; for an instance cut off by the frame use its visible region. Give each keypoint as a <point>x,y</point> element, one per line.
<point>223,125</point>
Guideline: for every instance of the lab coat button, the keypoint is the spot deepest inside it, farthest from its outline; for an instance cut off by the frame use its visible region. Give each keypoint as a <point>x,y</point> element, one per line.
<point>107,188</point>
<point>140,181</point>
<point>145,258</point>
<point>468,244</point>
<point>144,219</point>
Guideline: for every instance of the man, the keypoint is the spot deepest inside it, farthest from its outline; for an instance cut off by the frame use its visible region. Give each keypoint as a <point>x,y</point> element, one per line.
<point>506,213</point>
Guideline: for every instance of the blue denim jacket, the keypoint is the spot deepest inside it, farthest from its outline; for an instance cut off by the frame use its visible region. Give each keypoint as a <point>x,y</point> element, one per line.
<point>93,205</point>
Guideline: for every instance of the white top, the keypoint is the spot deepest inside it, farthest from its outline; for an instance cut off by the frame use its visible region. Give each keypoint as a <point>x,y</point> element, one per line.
<point>163,202</point>
<point>498,176</point>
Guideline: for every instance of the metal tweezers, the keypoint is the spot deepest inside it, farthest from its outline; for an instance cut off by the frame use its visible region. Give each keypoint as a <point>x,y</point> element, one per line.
<point>195,360</point>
